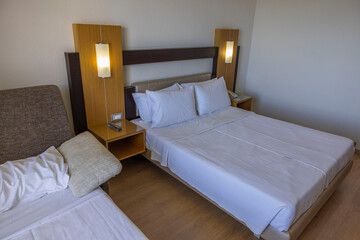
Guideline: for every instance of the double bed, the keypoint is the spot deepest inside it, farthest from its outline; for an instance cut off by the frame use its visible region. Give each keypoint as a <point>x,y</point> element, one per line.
<point>271,175</point>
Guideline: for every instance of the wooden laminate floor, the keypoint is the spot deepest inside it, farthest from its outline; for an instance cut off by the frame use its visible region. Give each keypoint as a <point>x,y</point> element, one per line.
<point>164,208</point>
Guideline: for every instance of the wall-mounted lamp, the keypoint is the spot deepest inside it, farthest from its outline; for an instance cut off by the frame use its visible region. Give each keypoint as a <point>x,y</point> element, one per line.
<point>103,60</point>
<point>229,51</point>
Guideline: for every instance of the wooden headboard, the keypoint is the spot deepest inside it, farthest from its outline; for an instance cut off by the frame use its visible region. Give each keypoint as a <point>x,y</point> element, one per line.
<point>130,57</point>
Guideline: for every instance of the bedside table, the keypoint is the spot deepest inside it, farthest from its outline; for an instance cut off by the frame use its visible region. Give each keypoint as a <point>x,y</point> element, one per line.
<point>244,102</point>
<point>123,144</point>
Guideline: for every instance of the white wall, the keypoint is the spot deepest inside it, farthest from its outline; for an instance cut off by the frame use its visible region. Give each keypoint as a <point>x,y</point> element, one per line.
<point>305,63</point>
<point>35,34</point>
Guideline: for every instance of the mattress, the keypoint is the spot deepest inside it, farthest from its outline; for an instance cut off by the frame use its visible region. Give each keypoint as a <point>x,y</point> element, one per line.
<point>261,170</point>
<point>61,215</point>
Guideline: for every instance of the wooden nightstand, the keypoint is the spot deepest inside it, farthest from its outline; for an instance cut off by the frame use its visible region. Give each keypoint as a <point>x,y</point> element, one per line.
<point>244,102</point>
<point>123,144</point>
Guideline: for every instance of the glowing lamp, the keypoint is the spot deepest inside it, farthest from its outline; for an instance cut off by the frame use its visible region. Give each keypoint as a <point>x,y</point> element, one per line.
<point>229,51</point>
<point>103,60</point>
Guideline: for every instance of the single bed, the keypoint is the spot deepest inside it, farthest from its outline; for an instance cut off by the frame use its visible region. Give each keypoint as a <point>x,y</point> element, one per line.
<point>61,215</point>
<point>271,175</point>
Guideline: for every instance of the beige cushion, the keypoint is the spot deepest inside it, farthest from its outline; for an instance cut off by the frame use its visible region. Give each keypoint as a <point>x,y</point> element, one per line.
<point>90,163</point>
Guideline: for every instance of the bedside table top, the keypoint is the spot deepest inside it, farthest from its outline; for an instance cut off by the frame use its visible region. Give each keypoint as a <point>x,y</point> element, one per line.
<point>241,98</point>
<point>109,134</point>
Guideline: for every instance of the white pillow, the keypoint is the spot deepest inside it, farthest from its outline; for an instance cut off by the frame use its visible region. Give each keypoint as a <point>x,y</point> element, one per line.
<point>172,107</point>
<point>31,178</point>
<point>185,85</point>
<point>211,96</point>
<point>142,103</point>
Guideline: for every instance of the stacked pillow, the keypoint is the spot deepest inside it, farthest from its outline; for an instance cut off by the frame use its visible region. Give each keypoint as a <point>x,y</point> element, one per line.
<point>141,101</point>
<point>180,103</point>
<point>211,95</point>
<point>171,107</point>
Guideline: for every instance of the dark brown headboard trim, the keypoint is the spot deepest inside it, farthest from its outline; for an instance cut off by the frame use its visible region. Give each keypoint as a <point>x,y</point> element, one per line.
<point>236,67</point>
<point>76,92</point>
<point>130,108</point>
<point>131,57</point>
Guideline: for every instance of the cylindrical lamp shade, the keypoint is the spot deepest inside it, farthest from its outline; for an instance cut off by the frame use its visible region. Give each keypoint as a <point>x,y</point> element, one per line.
<point>229,51</point>
<point>103,60</point>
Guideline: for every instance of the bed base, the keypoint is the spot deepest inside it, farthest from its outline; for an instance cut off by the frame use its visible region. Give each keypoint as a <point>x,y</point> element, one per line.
<point>271,233</point>
<point>105,187</point>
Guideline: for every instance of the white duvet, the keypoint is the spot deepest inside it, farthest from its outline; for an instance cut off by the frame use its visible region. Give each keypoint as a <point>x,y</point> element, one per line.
<point>61,215</point>
<point>261,170</point>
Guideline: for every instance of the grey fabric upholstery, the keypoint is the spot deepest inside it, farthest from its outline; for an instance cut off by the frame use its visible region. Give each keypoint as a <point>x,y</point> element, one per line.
<point>31,120</point>
<point>154,85</point>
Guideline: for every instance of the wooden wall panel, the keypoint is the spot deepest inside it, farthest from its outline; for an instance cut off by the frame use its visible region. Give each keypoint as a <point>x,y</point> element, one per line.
<point>85,38</point>
<point>223,69</point>
<point>114,84</point>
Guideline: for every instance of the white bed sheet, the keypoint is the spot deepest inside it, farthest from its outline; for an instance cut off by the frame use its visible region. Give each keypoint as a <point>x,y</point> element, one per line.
<point>61,215</point>
<point>261,170</point>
